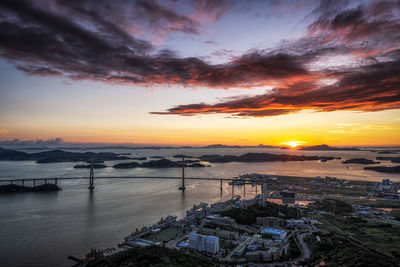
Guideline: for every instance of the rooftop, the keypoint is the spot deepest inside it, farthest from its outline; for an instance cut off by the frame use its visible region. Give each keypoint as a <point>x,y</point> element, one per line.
<point>272,231</point>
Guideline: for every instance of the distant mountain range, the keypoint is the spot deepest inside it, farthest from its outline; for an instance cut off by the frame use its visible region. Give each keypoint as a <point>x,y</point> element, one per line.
<point>77,146</point>
<point>328,148</point>
<point>261,157</point>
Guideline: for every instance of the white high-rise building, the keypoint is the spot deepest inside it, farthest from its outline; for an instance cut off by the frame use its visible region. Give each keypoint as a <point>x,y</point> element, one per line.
<point>204,243</point>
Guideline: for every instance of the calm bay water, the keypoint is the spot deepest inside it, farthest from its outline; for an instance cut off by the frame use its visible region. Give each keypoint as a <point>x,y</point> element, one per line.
<point>41,229</point>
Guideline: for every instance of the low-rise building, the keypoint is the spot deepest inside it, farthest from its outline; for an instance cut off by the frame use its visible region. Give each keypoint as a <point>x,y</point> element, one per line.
<point>276,233</point>
<point>241,249</point>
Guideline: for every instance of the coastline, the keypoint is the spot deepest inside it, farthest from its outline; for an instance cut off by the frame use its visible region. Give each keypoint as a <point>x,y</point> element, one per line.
<point>140,238</point>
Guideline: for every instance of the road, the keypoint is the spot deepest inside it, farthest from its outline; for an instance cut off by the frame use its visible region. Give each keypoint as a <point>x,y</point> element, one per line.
<point>303,246</point>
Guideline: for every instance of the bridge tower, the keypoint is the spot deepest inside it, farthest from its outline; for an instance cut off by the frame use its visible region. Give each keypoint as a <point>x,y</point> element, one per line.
<point>183,175</point>
<point>91,178</point>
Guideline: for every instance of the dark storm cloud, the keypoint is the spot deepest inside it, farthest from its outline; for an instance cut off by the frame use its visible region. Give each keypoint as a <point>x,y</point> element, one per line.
<point>98,40</point>
<point>156,16</point>
<point>47,41</point>
<point>371,26</point>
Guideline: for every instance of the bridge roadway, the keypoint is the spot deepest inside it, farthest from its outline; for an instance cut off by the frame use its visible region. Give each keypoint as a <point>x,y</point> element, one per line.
<point>124,177</point>
<point>91,187</point>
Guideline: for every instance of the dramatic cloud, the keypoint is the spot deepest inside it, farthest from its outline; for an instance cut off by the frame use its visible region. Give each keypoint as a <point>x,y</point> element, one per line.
<point>46,41</point>
<point>372,28</point>
<point>106,41</point>
<point>371,88</point>
<point>369,34</point>
<point>210,10</point>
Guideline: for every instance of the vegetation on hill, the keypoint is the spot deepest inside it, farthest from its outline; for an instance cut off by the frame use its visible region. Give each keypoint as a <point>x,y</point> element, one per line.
<point>378,235</point>
<point>335,250</point>
<point>148,256</point>
<point>293,251</point>
<point>333,205</point>
<point>248,215</point>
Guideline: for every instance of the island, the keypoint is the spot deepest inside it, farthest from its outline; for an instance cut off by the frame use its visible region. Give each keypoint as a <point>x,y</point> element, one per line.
<point>360,161</point>
<point>126,165</point>
<point>162,163</point>
<point>391,159</point>
<point>387,151</point>
<point>95,166</point>
<point>181,156</point>
<point>13,188</point>
<point>139,158</point>
<point>55,156</point>
<point>95,161</point>
<point>394,169</point>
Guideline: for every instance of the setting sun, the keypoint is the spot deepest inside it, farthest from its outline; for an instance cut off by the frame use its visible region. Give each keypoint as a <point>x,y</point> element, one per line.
<point>293,144</point>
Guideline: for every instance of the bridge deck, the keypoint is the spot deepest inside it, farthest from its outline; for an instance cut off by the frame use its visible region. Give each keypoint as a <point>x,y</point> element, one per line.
<point>124,177</point>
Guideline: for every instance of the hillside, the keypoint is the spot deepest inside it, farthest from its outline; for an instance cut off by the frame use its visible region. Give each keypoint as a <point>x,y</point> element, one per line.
<point>148,256</point>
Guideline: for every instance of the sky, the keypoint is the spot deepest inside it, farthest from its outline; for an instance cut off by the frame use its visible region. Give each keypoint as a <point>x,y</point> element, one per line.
<point>201,72</point>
